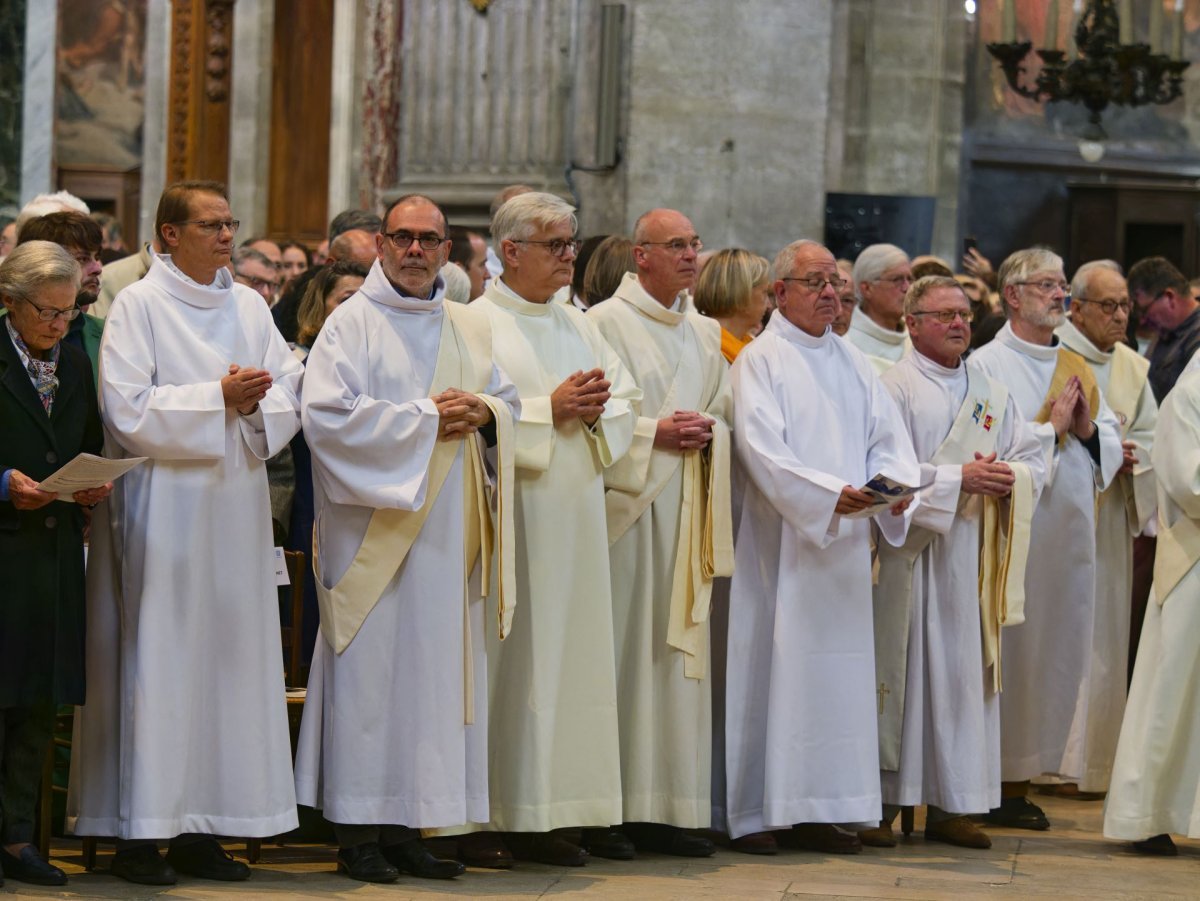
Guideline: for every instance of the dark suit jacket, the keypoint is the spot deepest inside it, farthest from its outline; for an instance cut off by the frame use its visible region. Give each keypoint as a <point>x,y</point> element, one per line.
<point>41,551</point>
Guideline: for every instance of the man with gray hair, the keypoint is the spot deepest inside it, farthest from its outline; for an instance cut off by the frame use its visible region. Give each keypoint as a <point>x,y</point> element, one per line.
<point>801,722</point>
<point>1046,662</point>
<point>882,274</point>
<point>1095,330</point>
<point>554,759</point>
<point>495,265</point>
<point>935,654</point>
<point>255,270</point>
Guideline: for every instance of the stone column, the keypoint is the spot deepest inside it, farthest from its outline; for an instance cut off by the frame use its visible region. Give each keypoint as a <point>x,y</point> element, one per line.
<point>346,107</point>
<point>37,115</point>
<point>154,130</point>
<point>250,114</point>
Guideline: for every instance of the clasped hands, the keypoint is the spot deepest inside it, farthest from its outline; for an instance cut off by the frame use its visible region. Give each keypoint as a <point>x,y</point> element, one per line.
<point>1070,411</point>
<point>582,395</point>
<point>683,430</point>
<point>460,414</point>
<point>244,387</point>
<point>24,493</point>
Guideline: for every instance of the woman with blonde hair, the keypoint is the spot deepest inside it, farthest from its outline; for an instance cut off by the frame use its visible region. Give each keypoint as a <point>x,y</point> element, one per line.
<point>734,288</point>
<point>333,284</point>
<point>612,258</point>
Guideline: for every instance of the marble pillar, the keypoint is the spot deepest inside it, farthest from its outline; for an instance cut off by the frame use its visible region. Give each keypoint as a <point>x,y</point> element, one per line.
<point>250,114</point>
<point>154,130</point>
<point>346,107</point>
<point>37,115</point>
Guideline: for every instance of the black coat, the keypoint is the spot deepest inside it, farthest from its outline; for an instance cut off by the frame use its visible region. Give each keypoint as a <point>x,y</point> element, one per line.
<point>41,551</point>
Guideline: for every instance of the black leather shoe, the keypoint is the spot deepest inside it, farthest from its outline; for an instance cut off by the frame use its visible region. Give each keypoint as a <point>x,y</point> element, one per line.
<point>366,863</point>
<point>206,859</point>
<point>610,844</point>
<point>143,865</point>
<point>413,858</point>
<point>1018,813</point>
<point>30,867</point>
<point>671,840</point>
<point>1158,845</point>
<point>546,847</point>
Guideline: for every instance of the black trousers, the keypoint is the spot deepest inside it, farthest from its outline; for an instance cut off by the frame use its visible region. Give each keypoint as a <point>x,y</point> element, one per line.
<point>25,733</point>
<point>351,836</point>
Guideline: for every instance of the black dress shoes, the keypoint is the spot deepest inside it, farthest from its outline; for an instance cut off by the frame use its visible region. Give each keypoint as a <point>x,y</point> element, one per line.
<point>1017,813</point>
<point>484,849</point>
<point>671,840</point>
<point>610,844</point>
<point>29,866</point>
<point>546,847</point>
<point>206,859</point>
<point>143,865</point>
<point>413,858</point>
<point>366,863</point>
<point>1158,845</point>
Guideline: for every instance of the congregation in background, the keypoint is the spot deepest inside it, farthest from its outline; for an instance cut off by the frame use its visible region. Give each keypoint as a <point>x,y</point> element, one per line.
<point>614,546</point>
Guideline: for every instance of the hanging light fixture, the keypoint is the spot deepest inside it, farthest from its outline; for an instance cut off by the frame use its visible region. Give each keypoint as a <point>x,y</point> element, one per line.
<point>1107,68</point>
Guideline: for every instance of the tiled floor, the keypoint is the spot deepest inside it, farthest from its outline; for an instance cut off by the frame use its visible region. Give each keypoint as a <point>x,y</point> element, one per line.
<point>1071,861</point>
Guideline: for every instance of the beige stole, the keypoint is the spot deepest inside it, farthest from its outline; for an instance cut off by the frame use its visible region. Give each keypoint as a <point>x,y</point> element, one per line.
<point>1178,551</point>
<point>465,361</point>
<point>1004,553</point>
<point>1126,382</point>
<point>974,429</point>
<point>1069,363</point>
<point>705,546</point>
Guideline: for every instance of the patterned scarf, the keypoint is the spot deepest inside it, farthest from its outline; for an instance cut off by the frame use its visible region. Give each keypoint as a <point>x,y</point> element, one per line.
<point>41,372</point>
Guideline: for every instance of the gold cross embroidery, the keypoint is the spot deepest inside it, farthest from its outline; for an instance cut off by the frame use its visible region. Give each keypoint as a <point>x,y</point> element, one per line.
<point>881,691</point>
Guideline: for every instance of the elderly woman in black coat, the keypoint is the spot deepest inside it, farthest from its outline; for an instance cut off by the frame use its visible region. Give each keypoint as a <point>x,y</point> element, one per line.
<point>49,414</point>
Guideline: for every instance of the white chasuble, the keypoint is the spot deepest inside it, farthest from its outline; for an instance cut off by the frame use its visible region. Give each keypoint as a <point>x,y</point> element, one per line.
<point>657,514</point>
<point>1047,661</point>
<point>1124,510</point>
<point>384,737</point>
<point>185,727</point>
<point>948,750</point>
<point>1155,786</point>
<point>883,347</point>
<point>552,682</point>
<point>810,417</point>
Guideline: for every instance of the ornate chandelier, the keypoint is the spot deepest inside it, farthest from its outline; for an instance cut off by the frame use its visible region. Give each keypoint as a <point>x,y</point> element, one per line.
<point>1109,68</point>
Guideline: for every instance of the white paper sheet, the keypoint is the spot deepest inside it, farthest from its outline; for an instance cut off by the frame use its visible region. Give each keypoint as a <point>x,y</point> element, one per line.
<point>87,471</point>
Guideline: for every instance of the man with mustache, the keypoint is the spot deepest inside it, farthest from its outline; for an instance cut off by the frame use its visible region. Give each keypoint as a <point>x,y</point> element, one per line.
<point>82,238</point>
<point>1047,660</point>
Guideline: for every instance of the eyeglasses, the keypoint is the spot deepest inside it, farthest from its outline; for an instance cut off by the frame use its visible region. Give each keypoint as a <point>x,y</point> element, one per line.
<point>818,282</point>
<point>1108,306</point>
<point>1047,286</point>
<point>945,317</point>
<point>258,284</point>
<point>404,240</point>
<point>557,247</point>
<point>49,314</point>
<point>1144,307</point>
<point>897,280</point>
<point>677,246</point>
<point>213,226</point>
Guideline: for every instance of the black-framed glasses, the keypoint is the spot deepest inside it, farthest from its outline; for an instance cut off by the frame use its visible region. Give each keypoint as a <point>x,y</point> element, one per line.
<point>945,317</point>
<point>404,240</point>
<point>212,226</point>
<point>818,282</point>
<point>1108,306</point>
<point>1047,286</point>
<point>49,314</point>
<point>677,246</point>
<point>558,247</point>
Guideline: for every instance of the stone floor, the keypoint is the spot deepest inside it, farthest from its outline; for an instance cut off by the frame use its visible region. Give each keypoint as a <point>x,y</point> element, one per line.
<point>1071,861</point>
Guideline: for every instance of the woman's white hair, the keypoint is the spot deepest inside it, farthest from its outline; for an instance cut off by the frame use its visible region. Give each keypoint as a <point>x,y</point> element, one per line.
<point>34,264</point>
<point>521,216</point>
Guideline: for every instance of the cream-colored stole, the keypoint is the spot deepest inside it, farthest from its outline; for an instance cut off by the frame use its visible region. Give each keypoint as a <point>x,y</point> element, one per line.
<point>464,361</point>
<point>1178,551</point>
<point>1126,382</point>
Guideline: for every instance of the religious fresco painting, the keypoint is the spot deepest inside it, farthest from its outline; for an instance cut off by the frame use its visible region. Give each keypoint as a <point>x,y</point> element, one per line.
<point>12,86</point>
<point>101,83</point>
<point>993,108</point>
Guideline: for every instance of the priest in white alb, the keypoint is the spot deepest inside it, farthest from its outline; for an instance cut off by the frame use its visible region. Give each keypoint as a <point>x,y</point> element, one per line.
<point>670,534</point>
<point>185,733</point>
<point>1095,330</point>
<point>939,711</point>
<point>882,273</point>
<point>1047,661</point>
<point>552,682</point>
<point>812,424</point>
<point>401,399</point>
<point>1155,786</point>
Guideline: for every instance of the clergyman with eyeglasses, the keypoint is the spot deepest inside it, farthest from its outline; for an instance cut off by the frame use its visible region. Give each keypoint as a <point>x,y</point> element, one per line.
<point>882,274</point>
<point>812,422</point>
<point>552,683</point>
<point>1097,321</point>
<point>936,644</point>
<point>1047,661</point>
<point>185,733</point>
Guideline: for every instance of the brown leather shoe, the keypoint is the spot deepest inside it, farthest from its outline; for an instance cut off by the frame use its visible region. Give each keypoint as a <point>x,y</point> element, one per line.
<point>826,838</point>
<point>958,831</point>
<point>546,847</point>
<point>755,843</point>
<point>881,836</point>
<point>484,849</point>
